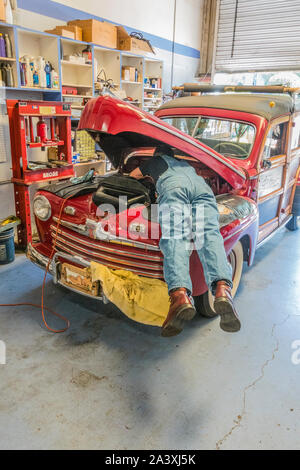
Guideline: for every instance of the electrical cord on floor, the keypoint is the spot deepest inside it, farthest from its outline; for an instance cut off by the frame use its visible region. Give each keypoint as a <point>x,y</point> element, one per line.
<point>41,306</point>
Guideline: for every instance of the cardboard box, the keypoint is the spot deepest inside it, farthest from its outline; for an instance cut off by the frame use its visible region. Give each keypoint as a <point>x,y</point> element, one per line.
<point>76,30</point>
<point>98,32</point>
<point>128,74</point>
<point>2,11</point>
<point>127,43</point>
<point>72,32</point>
<point>61,32</point>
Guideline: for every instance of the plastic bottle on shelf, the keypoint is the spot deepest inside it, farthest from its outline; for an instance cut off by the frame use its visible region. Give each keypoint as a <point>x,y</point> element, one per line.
<point>8,45</point>
<point>48,70</point>
<point>28,72</point>
<point>40,67</point>
<point>2,46</point>
<point>87,54</point>
<point>2,76</point>
<point>35,78</point>
<point>9,75</point>
<point>22,73</point>
<point>55,79</point>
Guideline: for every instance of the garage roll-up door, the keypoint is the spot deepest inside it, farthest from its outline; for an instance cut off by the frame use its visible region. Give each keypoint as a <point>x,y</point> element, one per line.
<point>255,35</point>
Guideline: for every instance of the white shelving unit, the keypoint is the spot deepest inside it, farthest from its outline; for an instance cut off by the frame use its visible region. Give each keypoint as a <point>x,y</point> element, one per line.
<point>76,74</point>
<point>153,92</point>
<point>133,88</point>
<point>82,76</point>
<point>35,44</point>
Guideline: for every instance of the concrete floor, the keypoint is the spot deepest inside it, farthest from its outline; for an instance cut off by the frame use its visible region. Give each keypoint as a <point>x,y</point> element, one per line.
<point>109,383</point>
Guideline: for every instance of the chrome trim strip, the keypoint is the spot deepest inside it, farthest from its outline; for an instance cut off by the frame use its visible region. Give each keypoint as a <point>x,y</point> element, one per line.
<point>77,228</point>
<point>137,271</point>
<point>106,236</point>
<point>106,249</point>
<point>195,144</point>
<point>93,254</point>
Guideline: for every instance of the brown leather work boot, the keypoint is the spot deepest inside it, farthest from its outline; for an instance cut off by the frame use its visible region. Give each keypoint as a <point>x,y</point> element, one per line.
<point>223,305</point>
<point>181,310</point>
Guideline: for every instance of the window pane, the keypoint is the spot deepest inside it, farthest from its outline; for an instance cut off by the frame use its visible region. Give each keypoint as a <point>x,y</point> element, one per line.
<point>275,141</point>
<point>296,133</point>
<point>230,138</point>
<point>184,124</point>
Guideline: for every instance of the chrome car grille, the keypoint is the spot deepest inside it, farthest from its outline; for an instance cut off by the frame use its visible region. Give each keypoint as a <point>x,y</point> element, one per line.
<point>110,253</point>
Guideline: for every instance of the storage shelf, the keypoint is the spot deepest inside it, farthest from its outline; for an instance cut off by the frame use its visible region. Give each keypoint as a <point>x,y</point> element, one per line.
<point>91,162</point>
<point>77,85</point>
<point>131,83</point>
<point>152,89</point>
<point>77,64</point>
<point>37,88</point>
<point>9,59</point>
<point>77,96</point>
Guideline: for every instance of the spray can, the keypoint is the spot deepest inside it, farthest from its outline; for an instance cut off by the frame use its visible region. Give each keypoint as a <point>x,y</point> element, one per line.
<point>41,130</point>
<point>8,45</point>
<point>2,46</point>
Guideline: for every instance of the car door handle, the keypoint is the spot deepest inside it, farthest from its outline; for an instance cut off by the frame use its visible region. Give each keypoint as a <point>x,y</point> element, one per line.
<point>266,164</point>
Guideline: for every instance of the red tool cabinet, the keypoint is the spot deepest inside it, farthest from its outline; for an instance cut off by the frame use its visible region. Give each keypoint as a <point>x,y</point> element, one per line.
<point>22,123</point>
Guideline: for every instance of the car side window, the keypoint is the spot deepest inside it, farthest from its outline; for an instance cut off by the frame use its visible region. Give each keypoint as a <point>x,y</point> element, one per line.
<point>275,142</point>
<point>296,133</point>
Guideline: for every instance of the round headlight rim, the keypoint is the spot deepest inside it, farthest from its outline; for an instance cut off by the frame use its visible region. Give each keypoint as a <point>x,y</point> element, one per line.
<point>42,198</point>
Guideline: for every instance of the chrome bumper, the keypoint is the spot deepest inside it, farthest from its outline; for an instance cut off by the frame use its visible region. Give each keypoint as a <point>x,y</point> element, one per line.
<point>42,262</point>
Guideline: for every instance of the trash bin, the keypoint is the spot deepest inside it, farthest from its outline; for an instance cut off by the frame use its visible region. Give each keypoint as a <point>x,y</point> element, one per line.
<point>7,246</point>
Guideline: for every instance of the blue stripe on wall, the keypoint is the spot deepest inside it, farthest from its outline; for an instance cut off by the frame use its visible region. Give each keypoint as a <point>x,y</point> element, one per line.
<point>66,13</point>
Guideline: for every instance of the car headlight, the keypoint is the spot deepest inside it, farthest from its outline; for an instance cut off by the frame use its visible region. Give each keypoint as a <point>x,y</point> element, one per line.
<point>41,208</point>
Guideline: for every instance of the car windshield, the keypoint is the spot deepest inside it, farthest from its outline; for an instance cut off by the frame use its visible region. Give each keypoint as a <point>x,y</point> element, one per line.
<point>233,139</point>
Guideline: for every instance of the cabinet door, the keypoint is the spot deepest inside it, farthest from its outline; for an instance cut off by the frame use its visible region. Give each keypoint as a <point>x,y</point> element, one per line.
<point>272,178</point>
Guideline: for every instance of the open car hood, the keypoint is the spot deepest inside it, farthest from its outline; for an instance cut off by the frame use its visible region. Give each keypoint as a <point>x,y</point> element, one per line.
<point>120,128</point>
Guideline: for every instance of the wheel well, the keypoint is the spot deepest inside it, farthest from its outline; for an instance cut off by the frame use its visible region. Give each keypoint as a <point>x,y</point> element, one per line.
<point>245,241</point>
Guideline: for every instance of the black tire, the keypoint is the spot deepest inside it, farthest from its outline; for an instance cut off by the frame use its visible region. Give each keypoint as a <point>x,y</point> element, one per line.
<point>292,225</point>
<point>204,302</point>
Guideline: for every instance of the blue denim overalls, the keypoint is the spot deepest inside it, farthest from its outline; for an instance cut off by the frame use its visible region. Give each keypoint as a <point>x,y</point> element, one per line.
<point>190,200</point>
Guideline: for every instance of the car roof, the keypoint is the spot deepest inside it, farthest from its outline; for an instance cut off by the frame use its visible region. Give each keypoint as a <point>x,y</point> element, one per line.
<point>254,103</point>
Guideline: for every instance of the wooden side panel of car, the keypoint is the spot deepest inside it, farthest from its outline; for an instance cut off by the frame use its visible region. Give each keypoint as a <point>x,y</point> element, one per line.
<point>272,183</point>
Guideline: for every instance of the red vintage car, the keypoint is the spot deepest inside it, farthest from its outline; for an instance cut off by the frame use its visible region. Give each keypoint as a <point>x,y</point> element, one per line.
<point>246,146</point>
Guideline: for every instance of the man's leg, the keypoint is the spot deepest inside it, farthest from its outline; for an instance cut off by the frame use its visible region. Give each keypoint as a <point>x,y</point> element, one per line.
<point>175,221</point>
<point>217,270</point>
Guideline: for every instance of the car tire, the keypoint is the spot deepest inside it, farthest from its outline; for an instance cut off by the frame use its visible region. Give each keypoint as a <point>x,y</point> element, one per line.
<point>204,303</point>
<point>292,225</point>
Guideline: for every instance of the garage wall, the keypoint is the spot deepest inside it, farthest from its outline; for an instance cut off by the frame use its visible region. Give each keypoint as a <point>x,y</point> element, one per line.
<point>154,19</point>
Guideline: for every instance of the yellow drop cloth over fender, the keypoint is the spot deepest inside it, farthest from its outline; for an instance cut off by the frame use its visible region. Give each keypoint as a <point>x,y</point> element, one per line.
<point>142,299</point>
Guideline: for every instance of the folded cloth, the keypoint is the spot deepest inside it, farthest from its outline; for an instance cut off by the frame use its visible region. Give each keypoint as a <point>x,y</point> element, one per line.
<point>144,300</point>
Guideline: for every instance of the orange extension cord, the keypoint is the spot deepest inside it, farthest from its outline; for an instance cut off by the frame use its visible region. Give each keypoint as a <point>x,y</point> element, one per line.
<point>41,306</point>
